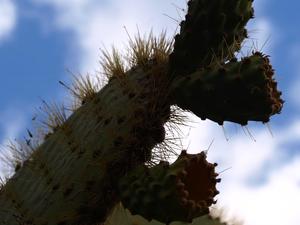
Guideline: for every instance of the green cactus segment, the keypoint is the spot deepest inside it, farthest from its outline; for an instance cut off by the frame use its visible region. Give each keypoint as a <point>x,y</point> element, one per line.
<point>212,30</point>
<point>237,91</point>
<point>180,191</point>
<point>122,216</point>
<point>72,177</point>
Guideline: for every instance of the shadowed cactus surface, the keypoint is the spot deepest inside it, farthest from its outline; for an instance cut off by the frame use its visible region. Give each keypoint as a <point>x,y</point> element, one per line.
<point>235,91</point>
<point>180,191</point>
<point>211,32</point>
<point>105,153</point>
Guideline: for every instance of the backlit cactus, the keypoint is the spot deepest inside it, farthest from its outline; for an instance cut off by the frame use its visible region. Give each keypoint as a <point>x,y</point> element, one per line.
<point>211,32</point>
<point>91,161</point>
<point>234,91</point>
<point>72,177</point>
<point>177,192</point>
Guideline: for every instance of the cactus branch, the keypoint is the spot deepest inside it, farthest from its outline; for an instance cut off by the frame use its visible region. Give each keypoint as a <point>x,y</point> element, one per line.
<point>177,192</point>
<point>211,31</point>
<point>235,91</point>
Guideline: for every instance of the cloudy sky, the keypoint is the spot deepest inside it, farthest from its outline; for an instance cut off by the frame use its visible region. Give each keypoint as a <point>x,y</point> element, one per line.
<point>40,40</point>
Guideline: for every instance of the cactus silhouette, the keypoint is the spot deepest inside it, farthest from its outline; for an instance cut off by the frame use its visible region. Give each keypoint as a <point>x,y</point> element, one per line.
<point>98,156</point>
<point>181,191</point>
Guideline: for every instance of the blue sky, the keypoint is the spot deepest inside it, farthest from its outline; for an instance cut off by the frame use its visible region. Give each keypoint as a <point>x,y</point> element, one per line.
<point>41,39</point>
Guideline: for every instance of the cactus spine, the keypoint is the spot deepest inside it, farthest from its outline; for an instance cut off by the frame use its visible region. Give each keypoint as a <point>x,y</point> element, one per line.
<point>74,177</point>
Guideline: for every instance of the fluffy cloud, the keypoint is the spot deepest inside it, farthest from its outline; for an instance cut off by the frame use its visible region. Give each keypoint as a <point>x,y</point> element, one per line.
<point>8,18</point>
<point>273,203</point>
<point>97,24</point>
<point>261,186</point>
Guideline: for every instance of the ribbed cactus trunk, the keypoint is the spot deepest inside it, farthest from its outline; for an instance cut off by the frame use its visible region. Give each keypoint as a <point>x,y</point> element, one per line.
<point>73,177</point>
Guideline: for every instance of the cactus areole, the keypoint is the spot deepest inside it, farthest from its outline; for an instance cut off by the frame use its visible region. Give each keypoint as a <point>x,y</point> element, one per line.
<point>74,176</point>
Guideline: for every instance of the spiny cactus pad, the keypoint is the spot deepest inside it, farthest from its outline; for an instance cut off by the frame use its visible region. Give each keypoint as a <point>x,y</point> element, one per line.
<point>180,191</point>
<point>237,91</point>
<point>211,31</point>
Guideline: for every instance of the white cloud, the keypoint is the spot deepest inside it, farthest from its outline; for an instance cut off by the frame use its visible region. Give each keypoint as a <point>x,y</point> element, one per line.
<point>260,187</point>
<point>274,203</point>
<point>8,17</point>
<point>98,23</point>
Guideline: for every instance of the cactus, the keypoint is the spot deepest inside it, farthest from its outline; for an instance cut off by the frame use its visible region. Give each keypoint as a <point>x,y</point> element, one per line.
<point>211,32</point>
<point>219,93</point>
<point>181,191</point>
<point>74,176</point>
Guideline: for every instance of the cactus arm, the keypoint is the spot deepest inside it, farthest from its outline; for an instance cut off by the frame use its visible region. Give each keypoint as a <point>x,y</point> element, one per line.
<point>212,31</point>
<point>237,91</point>
<point>204,82</point>
<point>72,177</point>
<point>177,192</point>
